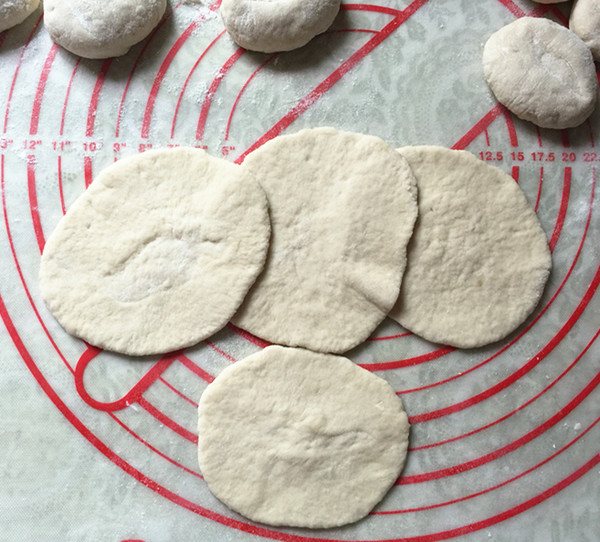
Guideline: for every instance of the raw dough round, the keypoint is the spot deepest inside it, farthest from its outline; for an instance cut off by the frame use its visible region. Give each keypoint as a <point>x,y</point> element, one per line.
<point>277,25</point>
<point>542,72</point>
<point>101,29</point>
<point>478,260</point>
<point>585,22</point>
<point>292,437</point>
<point>343,207</point>
<point>14,12</point>
<point>158,253</point>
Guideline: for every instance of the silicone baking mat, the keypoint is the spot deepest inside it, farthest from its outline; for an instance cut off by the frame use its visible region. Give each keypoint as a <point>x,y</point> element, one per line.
<point>94,446</point>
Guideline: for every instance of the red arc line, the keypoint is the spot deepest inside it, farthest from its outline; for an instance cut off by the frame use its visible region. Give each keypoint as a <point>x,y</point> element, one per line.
<point>254,529</point>
<point>135,65</point>
<point>562,212</point>
<point>67,94</point>
<point>155,450</point>
<point>336,75</point>
<point>492,456</point>
<point>213,89</point>
<point>161,75</point>
<point>497,486</point>
<point>187,81</point>
<point>93,108</point>
<point>37,101</point>
<point>168,422</point>
<point>33,203</point>
<point>457,407</point>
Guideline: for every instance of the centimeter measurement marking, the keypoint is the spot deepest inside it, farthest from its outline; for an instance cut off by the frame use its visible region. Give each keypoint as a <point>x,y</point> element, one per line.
<point>538,156</point>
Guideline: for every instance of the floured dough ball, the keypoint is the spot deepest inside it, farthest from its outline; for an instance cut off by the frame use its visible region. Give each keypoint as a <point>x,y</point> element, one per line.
<point>292,437</point>
<point>14,12</point>
<point>343,207</point>
<point>585,22</point>
<point>542,72</point>
<point>478,260</point>
<point>277,25</point>
<point>158,253</point>
<point>101,29</point>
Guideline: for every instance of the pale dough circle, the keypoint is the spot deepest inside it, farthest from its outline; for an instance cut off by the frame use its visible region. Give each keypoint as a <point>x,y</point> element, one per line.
<point>269,26</point>
<point>14,12</point>
<point>542,72</point>
<point>101,29</point>
<point>343,207</point>
<point>478,260</point>
<point>585,22</point>
<point>158,253</point>
<point>296,438</point>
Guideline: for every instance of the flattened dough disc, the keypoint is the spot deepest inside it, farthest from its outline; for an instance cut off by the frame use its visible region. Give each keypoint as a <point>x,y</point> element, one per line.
<point>343,208</point>
<point>297,438</point>
<point>478,260</point>
<point>158,253</point>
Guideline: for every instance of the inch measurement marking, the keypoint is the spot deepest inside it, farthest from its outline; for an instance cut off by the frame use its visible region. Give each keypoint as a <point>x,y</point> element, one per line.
<point>60,145</point>
<point>118,146</point>
<point>92,146</point>
<point>31,144</point>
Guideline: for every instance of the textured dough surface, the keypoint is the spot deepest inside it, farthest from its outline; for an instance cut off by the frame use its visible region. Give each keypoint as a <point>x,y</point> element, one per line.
<point>158,253</point>
<point>14,12</point>
<point>478,260</point>
<point>101,29</point>
<point>585,22</point>
<point>269,26</point>
<point>343,207</point>
<point>542,72</point>
<point>293,437</point>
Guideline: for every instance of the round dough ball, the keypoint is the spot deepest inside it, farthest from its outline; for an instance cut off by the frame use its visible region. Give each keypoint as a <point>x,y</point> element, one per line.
<point>585,22</point>
<point>158,253</point>
<point>478,260</point>
<point>101,29</point>
<point>542,72</point>
<point>292,437</point>
<point>14,12</point>
<point>269,26</point>
<point>343,207</point>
